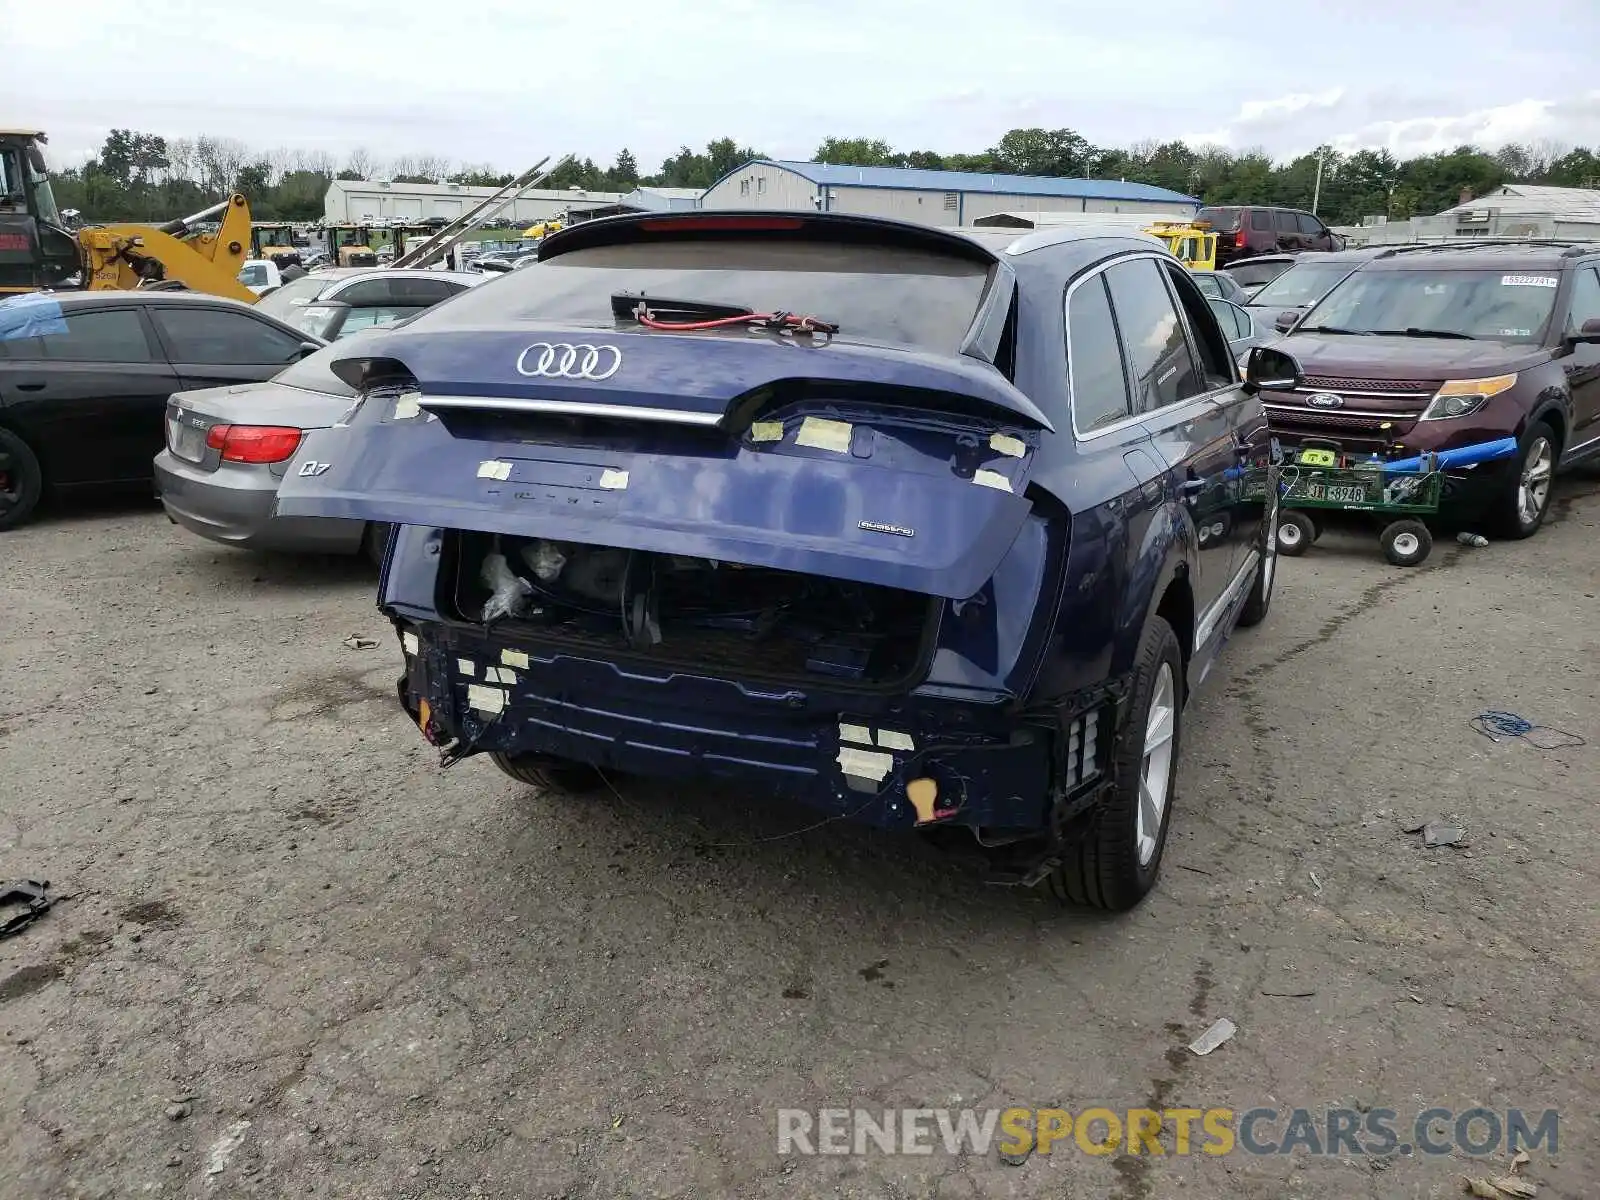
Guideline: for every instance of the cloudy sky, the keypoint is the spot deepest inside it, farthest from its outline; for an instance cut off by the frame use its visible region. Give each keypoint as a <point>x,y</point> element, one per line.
<point>496,81</point>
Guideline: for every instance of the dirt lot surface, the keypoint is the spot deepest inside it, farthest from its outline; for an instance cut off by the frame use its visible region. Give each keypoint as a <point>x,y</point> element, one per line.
<point>355,975</point>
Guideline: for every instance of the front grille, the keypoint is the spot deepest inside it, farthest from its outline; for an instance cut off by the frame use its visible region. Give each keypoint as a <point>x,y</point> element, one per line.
<point>1335,383</point>
<point>1321,418</point>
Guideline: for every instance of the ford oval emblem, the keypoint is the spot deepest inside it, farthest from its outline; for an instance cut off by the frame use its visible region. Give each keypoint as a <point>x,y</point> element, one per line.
<point>1325,400</point>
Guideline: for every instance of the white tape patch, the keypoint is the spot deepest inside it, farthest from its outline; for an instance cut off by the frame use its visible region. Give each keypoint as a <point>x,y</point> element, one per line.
<point>891,739</point>
<point>467,667</point>
<point>514,658</point>
<point>991,479</point>
<point>614,481</point>
<point>499,675</point>
<point>865,764</point>
<point>494,468</point>
<point>823,434</point>
<point>859,734</point>
<point>406,407</point>
<point>485,699</point>
<point>1004,443</point>
<point>411,644</point>
<point>766,431</point>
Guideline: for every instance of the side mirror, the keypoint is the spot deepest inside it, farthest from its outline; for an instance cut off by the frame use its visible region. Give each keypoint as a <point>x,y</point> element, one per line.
<point>1588,333</point>
<point>308,348</point>
<point>1271,370</point>
<point>1285,321</point>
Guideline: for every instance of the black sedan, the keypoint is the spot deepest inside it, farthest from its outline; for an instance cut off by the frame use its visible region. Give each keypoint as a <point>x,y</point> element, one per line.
<point>85,377</point>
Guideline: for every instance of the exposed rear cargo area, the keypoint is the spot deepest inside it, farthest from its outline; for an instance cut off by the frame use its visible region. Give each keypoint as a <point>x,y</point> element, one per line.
<point>716,617</point>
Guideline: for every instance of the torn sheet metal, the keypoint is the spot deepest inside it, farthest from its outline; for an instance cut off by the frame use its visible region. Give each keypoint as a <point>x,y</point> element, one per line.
<point>26,900</point>
<point>411,644</point>
<point>823,434</point>
<point>858,734</point>
<point>614,481</point>
<point>514,658</point>
<point>865,764</point>
<point>485,699</point>
<point>766,431</point>
<point>892,739</point>
<point>1004,443</point>
<point>494,468</point>
<point>991,479</point>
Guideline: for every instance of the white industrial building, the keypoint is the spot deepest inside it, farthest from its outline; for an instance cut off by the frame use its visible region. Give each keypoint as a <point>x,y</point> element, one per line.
<point>364,200</point>
<point>931,197</point>
<point>1514,211</point>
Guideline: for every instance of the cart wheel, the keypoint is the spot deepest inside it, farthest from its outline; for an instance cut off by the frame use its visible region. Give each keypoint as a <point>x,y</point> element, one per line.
<point>1296,532</point>
<point>1406,543</point>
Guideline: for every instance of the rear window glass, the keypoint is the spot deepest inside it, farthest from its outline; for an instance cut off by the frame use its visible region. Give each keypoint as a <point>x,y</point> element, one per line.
<point>876,293</point>
<point>314,372</point>
<point>1303,283</point>
<point>281,302</point>
<point>1223,220</point>
<point>1254,274</point>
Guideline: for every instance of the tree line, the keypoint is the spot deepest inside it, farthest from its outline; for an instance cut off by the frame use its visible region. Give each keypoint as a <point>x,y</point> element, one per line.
<point>140,176</point>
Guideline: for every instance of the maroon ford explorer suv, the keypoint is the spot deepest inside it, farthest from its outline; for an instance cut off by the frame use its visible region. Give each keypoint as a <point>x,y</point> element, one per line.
<point>1434,347</point>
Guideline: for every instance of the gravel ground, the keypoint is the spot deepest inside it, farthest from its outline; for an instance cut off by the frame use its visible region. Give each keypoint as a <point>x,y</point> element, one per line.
<point>371,978</point>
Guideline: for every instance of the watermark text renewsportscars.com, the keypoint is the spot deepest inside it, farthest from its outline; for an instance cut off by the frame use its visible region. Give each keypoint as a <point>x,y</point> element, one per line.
<point>1176,1131</point>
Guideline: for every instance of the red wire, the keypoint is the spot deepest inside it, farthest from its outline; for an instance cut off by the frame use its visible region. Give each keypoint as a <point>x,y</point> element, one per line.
<point>643,315</point>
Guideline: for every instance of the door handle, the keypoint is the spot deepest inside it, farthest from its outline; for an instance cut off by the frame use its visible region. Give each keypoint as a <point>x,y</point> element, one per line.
<point>30,387</point>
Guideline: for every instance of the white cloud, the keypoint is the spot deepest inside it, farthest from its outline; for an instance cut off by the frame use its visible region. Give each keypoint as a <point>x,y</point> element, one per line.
<point>504,82</point>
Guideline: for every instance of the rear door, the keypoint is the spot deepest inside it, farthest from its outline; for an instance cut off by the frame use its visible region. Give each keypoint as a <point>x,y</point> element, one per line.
<point>1582,366</point>
<point>1287,224</point>
<point>1192,435</point>
<point>90,391</point>
<point>210,346</point>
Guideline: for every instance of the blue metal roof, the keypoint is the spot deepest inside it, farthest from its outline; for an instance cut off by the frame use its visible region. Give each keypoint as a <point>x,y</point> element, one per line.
<point>911,178</point>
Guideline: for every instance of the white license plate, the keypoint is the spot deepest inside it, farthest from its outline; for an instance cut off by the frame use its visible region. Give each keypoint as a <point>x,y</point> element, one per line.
<point>187,442</point>
<point>1337,493</point>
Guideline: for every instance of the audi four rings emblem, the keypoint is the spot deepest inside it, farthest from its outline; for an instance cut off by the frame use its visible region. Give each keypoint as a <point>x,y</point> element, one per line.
<point>568,360</point>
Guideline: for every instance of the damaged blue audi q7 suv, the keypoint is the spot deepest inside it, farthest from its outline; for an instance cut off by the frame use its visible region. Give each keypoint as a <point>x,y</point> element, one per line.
<point>930,528</point>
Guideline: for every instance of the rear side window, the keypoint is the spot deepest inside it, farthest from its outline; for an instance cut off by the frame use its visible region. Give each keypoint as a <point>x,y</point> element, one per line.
<point>115,335</point>
<point>1099,385</point>
<point>878,293</point>
<point>1223,220</point>
<point>1159,362</point>
<point>1288,222</point>
<point>218,337</point>
<point>1261,218</point>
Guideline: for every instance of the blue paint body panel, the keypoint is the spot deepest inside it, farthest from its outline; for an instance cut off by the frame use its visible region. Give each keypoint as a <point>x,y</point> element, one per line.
<point>1043,555</point>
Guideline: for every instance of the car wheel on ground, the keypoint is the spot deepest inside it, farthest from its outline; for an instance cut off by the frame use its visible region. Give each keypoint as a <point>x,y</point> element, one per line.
<point>1525,498</point>
<point>1116,860</point>
<point>375,542</point>
<point>551,774</point>
<point>21,480</point>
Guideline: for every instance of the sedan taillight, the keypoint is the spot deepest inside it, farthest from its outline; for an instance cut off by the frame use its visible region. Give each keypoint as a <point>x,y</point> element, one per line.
<point>254,443</point>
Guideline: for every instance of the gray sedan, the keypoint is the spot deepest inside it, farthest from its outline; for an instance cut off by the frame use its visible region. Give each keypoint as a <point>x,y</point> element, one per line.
<point>228,448</point>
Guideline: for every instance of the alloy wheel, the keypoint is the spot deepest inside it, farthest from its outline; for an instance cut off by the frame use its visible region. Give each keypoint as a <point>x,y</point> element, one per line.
<point>1155,772</point>
<point>1533,488</point>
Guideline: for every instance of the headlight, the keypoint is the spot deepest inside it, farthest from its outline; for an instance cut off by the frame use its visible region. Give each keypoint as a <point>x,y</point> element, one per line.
<point>1460,397</point>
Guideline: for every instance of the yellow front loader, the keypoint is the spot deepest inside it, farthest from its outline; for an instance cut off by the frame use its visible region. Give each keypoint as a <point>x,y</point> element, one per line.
<point>121,257</point>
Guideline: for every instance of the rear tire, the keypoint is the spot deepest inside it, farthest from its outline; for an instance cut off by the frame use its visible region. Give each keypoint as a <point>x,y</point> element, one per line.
<point>1116,858</point>
<point>551,774</point>
<point>375,542</point>
<point>1296,532</point>
<point>21,480</point>
<point>1260,603</point>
